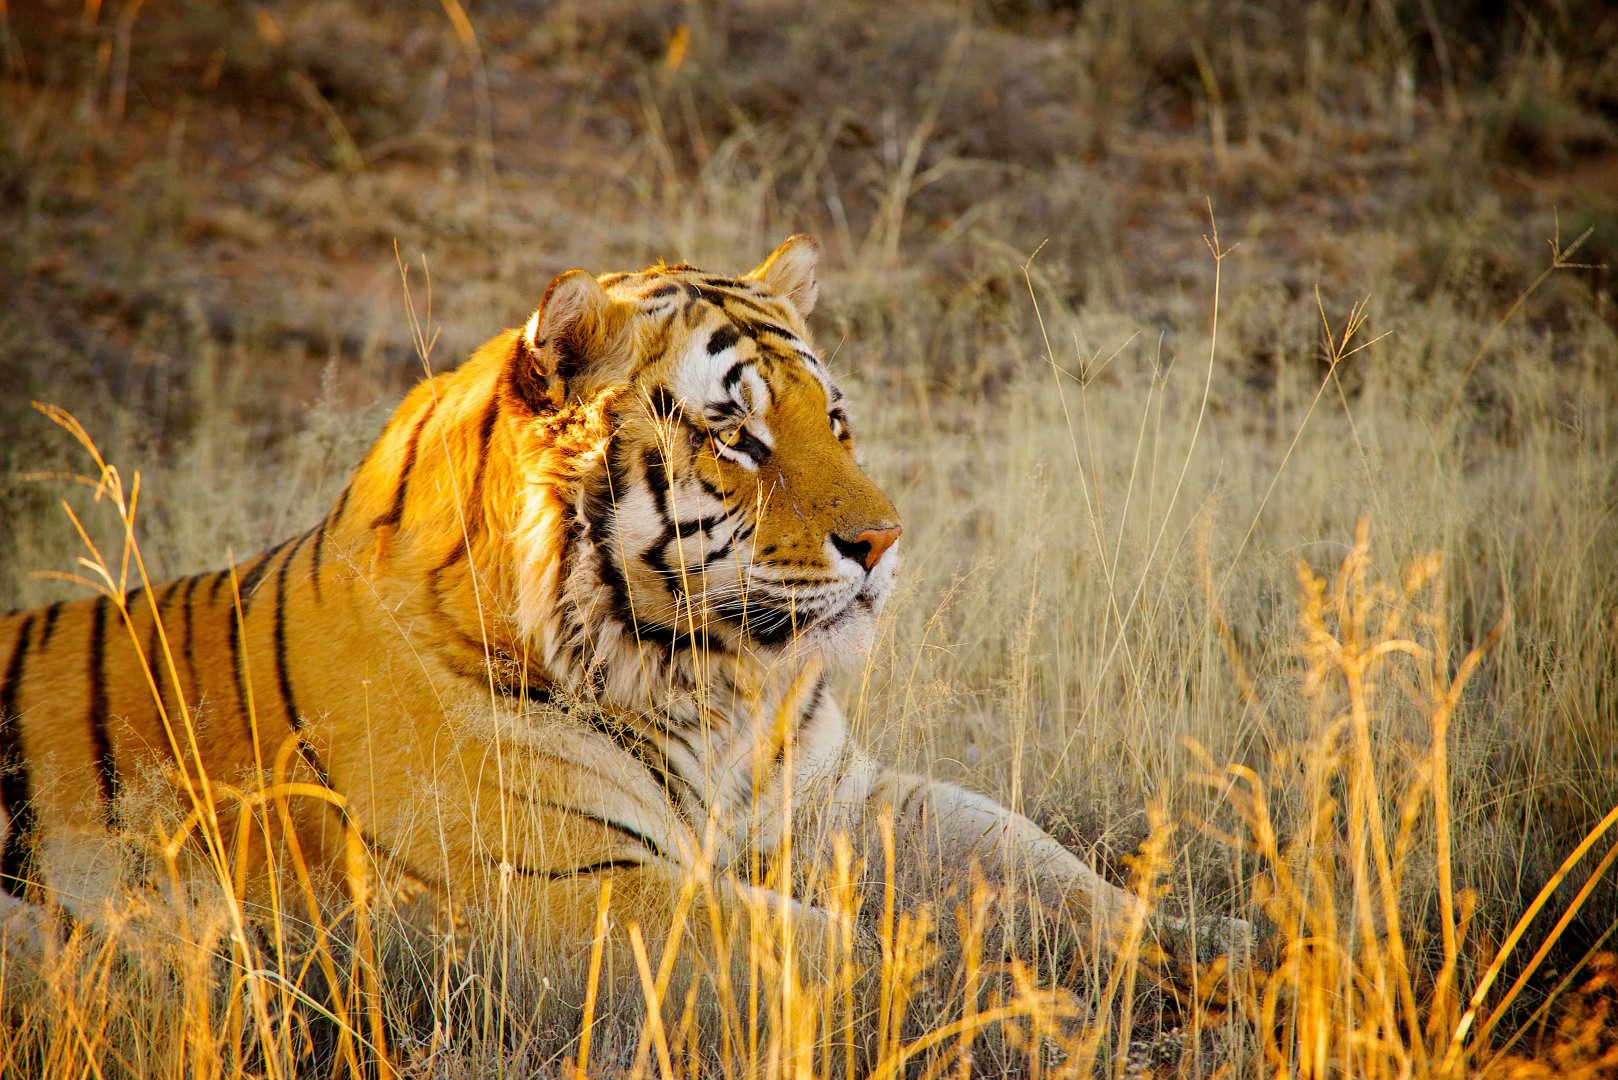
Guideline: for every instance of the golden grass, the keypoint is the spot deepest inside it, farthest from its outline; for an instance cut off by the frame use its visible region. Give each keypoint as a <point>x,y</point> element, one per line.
<point>1401,753</point>
<point>1347,865</point>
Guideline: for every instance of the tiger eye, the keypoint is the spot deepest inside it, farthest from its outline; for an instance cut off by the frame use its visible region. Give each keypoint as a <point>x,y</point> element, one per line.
<point>731,436</point>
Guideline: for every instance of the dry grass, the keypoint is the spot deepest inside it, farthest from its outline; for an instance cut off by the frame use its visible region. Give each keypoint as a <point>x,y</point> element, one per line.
<point>1112,459</point>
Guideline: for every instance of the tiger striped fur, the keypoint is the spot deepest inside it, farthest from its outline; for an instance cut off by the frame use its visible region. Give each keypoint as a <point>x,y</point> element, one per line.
<point>567,622</point>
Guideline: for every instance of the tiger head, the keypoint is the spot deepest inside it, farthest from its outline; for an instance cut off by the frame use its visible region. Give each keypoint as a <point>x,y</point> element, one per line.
<point>719,502</point>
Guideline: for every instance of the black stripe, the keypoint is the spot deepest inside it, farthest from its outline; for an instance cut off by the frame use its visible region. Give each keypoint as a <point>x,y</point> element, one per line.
<point>474,497</point>
<point>51,615</point>
<point>672,731</point>
<point>465,656</point>
<point>14,668</point>
<point>720,552</point>
<point>483,652</point>
<point>154,649</point>
<point>766,624</point>
<point>342,505</point>
<point>314,559</point>
<point>331,521</point>
<point>396,512</point>
<point>491,413</point>
<point>387,853</point>
<point>725,300</point>
<point>657,479</point>
<point>751,446</point>
<point>627,831</point>
<point>576,871</point>
<point>598,512</point>
<point>219,577</point>
<point>15,796</point>
<point>233,636</point>
<point>538,693</point>
<point>806,714</point>
<point>248,585</point>
<point>733,375</point>
<point>190,653</point>
<point>717,412</point>
<point>652,757</point>
<point>754,327</point>
<point>100,746</point>
<point>705,525</point>
<point>664,404</point>
<point>723,338</point>
<point>476,671</point>
<point>713,492</point>
<point>283,678</point>
<point>812,706</point>
<point>655,556</point>
<point>483,656</point>
<point>315,762</point>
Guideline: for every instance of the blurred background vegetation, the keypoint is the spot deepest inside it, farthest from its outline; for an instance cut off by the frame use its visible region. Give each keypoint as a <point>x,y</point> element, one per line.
<point>206,210</point>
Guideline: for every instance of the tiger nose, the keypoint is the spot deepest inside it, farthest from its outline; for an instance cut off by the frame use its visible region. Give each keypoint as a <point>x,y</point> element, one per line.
<point>868,546</point>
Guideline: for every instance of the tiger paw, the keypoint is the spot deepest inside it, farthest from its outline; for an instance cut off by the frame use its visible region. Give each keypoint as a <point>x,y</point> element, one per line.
<point>1201,959</point>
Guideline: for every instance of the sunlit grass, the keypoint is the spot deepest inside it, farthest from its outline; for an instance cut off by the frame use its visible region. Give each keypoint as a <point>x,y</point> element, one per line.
<point>1308,595</point>
<point>1348,984</point>
<point>1347,839</point>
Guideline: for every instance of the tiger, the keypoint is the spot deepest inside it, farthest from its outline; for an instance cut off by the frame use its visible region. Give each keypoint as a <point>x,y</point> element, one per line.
<point>573,619</point>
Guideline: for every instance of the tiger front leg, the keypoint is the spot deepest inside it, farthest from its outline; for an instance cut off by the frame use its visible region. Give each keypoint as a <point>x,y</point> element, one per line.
<point>1041,897</point>
<point>713,956</point>
<point>589,885</point>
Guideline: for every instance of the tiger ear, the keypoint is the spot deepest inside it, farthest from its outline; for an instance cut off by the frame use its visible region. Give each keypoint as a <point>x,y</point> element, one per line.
<point>789,272</point>
<point>577,331</point>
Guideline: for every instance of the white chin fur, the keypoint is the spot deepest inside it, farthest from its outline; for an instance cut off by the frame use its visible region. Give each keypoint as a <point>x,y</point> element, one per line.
<point>845,642</point>
<point>847,638</point>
